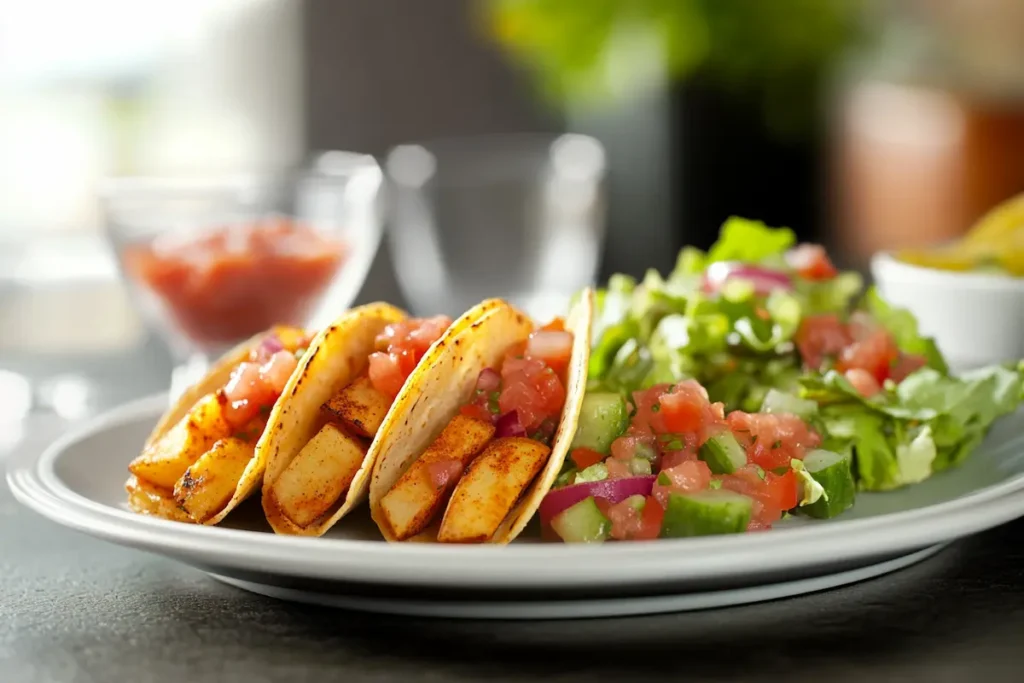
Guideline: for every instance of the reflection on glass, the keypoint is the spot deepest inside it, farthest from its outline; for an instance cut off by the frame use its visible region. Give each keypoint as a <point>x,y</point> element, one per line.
<point>520,216</point>
<point>210,263</point>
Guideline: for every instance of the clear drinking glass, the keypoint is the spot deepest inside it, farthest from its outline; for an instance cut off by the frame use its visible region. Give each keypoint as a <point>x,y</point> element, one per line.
<point>212,261</point>
<point>516,216</point>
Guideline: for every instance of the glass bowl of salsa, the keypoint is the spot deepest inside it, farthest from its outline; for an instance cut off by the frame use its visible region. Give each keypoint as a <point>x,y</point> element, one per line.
<point>213,261</point>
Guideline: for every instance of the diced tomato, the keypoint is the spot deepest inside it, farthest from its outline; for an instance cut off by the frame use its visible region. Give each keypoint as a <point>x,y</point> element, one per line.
<point>688,452</point>
<point>617,469</point>
<point>875,353</point>
<point>626,520</point>
<point>820,337</point>
<point>688,477</point>
<point>533,390</point>
<point>648,418</point>
<point>246,392</point>
<point>811,262</point>
<point>771,441</point>
<point>685,409</point>
<point>477,411</point>
<point>781,489</point>
<point>584,457</point>
<point>773,494</point>
<point>650,520</point>
<point>552,347</point>
<point>633,443</point>
<point>905,365</point>
<point>556,325</point>
<point>400,346</point>
<point>443,472</point>
<point>863,381</point>
<point>387,373</point>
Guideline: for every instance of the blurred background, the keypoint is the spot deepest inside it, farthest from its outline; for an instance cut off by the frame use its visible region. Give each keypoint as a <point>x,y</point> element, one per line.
<point>529,145</point>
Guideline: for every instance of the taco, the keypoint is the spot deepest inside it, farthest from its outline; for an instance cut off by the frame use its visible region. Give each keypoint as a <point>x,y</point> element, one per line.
<point>480,431</point>
<point>203,457</point>
<point>318,443</point>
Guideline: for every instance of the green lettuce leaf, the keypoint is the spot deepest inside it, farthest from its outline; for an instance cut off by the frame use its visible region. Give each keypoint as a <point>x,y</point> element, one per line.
<point>742,239</point>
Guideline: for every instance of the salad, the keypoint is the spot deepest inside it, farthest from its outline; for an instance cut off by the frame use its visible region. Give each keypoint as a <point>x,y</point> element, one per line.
<point>754,382</point>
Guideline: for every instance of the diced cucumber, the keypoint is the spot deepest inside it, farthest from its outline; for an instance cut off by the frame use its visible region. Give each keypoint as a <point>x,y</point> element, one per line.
<point>832,471</point>
<point>780,402</point>
<point>596,472</point>
<point>645,451</point>
<point>640,467</point>
<point>603,419</point>
<point>637,502</point>
<point>723,453</point>
<point>582,523</point>
<point>706,513</point>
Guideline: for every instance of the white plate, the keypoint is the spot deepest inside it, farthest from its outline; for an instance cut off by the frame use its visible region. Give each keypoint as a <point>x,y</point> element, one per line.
<point>78,482</point>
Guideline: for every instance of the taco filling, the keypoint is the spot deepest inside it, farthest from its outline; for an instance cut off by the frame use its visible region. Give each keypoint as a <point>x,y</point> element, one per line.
<point>320,474</point>
<point>488,454</point>
<point>191,470</point>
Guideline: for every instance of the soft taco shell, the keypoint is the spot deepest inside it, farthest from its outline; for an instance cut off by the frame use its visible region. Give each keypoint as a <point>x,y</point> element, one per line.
<point>445,380</point>
<point>215,379</point>
<point>336,357</point>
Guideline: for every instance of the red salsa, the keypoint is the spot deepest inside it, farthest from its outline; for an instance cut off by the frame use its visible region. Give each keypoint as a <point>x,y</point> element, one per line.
<point>231,282</point>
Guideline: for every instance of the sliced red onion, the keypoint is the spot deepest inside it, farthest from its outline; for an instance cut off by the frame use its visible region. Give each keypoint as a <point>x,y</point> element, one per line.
<point>765,280</point>
<point>489,380</point>
<point>612,490</point>
<point>271,344</point>
<point>509,425</point>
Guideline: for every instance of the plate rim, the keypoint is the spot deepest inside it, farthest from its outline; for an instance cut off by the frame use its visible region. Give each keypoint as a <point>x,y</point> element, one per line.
<point>33,481</point>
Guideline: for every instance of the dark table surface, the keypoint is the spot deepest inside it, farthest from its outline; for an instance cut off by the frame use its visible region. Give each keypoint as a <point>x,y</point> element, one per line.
<point>75,609</point>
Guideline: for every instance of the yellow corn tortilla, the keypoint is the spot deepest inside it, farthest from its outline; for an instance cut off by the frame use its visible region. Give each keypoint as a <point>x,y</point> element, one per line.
<point>336,358</point>
<point>140,492</point>
<point>445,380</point>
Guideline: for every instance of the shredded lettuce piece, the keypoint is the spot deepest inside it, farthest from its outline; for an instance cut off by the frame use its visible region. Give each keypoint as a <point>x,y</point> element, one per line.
<point>811,490</point>
<point>750,241</point>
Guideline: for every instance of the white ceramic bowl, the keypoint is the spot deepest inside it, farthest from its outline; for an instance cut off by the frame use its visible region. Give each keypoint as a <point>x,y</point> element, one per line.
<point>975,318</point>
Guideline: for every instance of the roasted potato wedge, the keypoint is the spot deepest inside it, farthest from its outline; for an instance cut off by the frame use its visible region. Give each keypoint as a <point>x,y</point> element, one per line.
<point>319,475</point>
<point>490,487</point>
<point>208,485</point>
<point>147,499</point>
<point>163,462</point>
<point>358,407</point>
<point>414,500</point>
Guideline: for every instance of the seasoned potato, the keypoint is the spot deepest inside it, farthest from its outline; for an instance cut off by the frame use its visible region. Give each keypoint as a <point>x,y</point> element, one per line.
<point>166,460</point>
<point>491,486</point>
<point>358,407</point>
<point>147,499</point>
<point>414,500</point>
<point>207,486</point>
<point>319,475</point>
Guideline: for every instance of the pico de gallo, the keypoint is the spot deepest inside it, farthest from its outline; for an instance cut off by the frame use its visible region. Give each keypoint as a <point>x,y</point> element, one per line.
<point>525,396</point>
<point>769,326</point>
<point>256,383</point>
<point>400,347</point>
<point>680,466</point>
